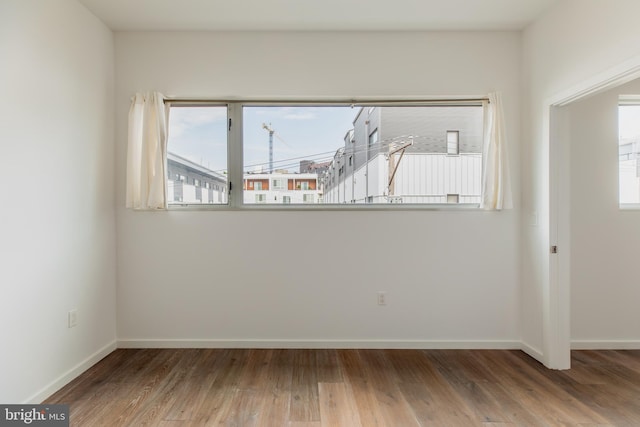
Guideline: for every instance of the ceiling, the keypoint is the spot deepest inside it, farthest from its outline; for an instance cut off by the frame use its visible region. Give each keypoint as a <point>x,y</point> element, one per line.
<point>316,15</point>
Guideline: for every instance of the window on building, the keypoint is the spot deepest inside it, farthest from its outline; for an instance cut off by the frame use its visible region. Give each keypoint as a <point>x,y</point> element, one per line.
<point>453,142</point>
<point>373,138</point>
<point>453,198</point>
<point>402,154</point>
<point>197,146</point>
<point>279,184</point>
<point>629,152</point>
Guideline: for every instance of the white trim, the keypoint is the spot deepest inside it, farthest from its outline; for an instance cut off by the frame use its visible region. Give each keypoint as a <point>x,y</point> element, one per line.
<point>608,79</point>
<point>556,336</point>
<point>629,206</point>
<point>320,344</point>
<point>605,345</point>
<point>71,374</point>
<point>531,351</point>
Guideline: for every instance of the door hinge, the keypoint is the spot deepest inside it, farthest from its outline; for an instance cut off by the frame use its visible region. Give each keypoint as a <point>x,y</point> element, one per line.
<point>554,249</point>
<point>229,124</point>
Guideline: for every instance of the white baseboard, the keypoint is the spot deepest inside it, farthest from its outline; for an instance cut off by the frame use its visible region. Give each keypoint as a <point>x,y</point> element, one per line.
<point>605,345</point>
<point>311,344</point>
<point>532,351</point>
<point>71,374</point>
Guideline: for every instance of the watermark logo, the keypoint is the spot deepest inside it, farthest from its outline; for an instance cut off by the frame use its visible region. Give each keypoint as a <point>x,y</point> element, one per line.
<point>34,415</point>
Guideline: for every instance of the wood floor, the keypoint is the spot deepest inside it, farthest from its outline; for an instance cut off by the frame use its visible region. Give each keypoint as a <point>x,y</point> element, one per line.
<point>314,388</point>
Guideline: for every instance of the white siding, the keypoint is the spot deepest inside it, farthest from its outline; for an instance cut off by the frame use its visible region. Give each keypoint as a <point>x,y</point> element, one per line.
<point>419,178</point>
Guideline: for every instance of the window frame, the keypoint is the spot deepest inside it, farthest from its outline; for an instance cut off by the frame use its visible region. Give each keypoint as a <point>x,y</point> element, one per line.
<point>625,101</point>
<point>235,159</point>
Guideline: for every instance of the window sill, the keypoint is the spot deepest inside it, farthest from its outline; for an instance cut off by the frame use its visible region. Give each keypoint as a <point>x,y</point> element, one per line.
<point>630,206</point>
<point>346,207</point>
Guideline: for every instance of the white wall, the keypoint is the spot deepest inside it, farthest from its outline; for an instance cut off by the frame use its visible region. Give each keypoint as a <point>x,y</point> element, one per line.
<point>605,242</point>
<point>198,275</point>
<point>57,219</point>
<point>575,42</point>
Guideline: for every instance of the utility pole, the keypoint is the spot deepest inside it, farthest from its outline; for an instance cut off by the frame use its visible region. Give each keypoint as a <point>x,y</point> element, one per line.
<point>270,130</point>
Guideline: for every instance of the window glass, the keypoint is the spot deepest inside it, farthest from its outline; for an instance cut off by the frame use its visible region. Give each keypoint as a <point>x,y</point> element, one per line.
<point>197,155</point>
<point>365,155</point>
<point>453,142</point>
<point>332,154</point>
<point>373,138</point>
<point>629,154</point>
<point>292,147</point>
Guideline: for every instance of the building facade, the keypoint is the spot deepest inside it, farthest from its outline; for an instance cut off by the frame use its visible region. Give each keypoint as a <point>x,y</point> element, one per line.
<point>427,154</point>
<point>281,188</point>
<point>191,183</point>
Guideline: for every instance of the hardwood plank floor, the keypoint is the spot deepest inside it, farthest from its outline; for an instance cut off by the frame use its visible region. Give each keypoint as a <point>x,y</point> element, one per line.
<point>320,388</point>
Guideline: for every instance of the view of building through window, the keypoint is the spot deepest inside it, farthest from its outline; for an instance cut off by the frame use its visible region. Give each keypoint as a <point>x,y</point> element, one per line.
<point>197,155</point>
<point>320,154</point>
<point>629,153</point>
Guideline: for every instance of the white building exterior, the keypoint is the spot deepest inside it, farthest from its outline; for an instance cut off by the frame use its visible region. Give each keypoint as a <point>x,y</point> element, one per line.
<point>191,183</point>
<point>420,178</point>
<point>629,167</point>
<point>409,155</point>
<point>281,188</point>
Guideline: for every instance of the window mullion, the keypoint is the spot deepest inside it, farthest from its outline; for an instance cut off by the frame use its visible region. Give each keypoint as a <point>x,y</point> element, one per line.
<point>235,155</point>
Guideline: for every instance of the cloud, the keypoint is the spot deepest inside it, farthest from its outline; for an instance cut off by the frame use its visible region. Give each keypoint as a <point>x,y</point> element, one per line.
<point>183,118</point>
<point>307,115</point>
<point>287,113</point>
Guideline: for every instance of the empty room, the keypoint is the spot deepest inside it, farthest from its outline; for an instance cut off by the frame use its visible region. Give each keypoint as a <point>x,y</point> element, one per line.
<point>315,213</point>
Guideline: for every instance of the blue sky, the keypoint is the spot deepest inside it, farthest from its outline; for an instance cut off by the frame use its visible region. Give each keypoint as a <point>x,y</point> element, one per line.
<point>199,134</point>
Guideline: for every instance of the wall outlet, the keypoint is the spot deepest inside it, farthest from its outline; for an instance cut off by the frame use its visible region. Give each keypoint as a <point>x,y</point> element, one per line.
<point>382,298</point>
<point>73,318</point>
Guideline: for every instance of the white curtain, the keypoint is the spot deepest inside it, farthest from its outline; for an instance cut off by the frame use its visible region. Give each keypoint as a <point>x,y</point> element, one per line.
<point>147,152</point>
<point>496,187</point>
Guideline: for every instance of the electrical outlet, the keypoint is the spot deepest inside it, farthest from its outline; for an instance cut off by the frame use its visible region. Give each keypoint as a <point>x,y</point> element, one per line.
<point>382,298</point>
<point>73,318</point>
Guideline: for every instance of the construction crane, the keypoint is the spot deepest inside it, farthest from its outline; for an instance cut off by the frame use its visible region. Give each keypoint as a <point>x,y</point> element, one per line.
<point>271,132</point>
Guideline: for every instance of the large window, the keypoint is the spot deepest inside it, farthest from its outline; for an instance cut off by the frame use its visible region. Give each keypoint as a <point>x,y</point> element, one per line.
<point>629,153</point>
<point>326,154</point>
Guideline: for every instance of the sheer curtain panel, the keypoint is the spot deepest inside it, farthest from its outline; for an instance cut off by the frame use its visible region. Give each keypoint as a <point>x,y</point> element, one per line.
<point>496,187</point>
<point>147,152</point>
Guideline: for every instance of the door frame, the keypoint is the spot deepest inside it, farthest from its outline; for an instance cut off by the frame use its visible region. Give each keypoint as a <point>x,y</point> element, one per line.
<point>557,299</point>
